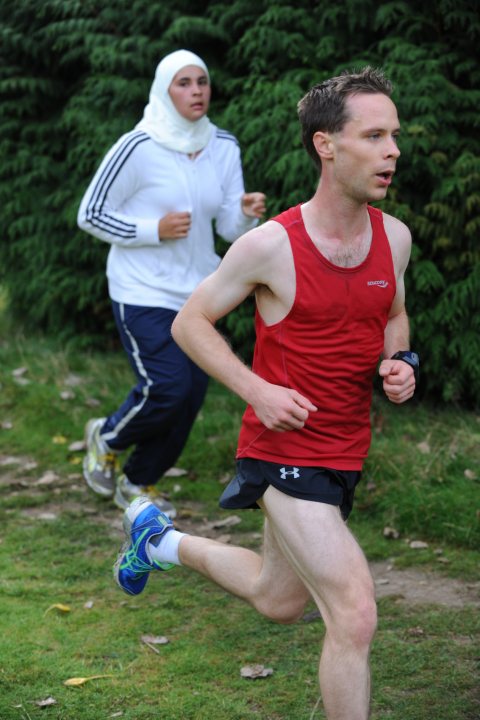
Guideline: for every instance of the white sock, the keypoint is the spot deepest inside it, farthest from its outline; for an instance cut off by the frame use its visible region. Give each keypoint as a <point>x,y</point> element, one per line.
<point>167,548</point>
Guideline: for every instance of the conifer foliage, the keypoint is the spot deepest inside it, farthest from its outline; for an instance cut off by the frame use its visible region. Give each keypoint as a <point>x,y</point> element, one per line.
<point>75,74</point>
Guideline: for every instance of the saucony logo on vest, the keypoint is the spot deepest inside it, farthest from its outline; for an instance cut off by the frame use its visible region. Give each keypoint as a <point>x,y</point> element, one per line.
<point>378,283</point>
<point>294,471</point>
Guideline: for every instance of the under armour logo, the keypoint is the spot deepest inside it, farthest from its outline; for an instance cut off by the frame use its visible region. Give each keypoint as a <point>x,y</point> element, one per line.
<point>294,471</point>
<point>378,283</point>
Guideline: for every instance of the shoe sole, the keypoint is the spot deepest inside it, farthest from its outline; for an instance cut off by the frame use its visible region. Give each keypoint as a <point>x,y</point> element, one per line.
<point>91,482</point>
<point>123,504</point>
<point>116,566</point>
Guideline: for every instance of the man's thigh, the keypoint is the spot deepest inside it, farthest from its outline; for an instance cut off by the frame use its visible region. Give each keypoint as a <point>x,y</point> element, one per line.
<point>315,540</point>
<point>278,584</point>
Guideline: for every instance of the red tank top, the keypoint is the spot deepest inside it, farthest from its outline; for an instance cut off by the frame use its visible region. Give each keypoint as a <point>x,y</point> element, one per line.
<point>327,348</point>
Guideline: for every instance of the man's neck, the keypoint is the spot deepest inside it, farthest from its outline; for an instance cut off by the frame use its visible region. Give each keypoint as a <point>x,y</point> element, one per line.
<point>341,231</point>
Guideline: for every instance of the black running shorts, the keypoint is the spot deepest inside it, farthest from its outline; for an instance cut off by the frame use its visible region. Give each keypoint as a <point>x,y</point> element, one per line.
<point>318,484</point>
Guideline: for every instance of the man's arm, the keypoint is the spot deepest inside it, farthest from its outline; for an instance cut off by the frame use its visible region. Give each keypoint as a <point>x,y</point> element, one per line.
<point>247,264</point>
<point>398,376</point>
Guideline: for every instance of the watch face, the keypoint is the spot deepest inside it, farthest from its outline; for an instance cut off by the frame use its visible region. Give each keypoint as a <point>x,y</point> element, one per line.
<point>411,358</point>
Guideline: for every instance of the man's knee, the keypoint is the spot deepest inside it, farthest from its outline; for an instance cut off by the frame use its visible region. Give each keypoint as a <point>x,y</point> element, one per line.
<point>355,619</point>
<point>364,620</point>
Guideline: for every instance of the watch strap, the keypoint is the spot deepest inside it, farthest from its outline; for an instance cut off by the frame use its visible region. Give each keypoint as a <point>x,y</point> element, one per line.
<point>411,358</point>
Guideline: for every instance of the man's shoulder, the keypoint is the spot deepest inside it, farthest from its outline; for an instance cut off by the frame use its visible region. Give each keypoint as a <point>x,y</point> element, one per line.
<point>263,241</point>
<point>396,229</point>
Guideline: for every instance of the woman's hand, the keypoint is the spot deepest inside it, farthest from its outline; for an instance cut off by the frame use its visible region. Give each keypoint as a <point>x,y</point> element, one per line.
<point>253,204</point>
<point>174,225</point>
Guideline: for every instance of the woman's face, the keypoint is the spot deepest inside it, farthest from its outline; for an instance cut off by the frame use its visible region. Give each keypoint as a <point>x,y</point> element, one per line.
<point>190,92</point>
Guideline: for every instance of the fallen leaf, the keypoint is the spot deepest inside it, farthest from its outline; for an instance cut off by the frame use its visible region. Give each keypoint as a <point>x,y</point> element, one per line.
<point>6,425</point>
<point>88,605</point>
<point>78,681</point>
<point>390,533</point>
<point>18,372</point>
<point>227,522</point>
<point>252,672</point>
<point>470,475</point>
<point>152,640</point>
<point>9,460</point>
<point>75,460</point>
<point>67,395</point>
<point>155,639</point>
<point>59,440</point>
<point>92,402</point>
<point>58,606</point>
<point>424,447</point>
<point>175,472</point>
<point>416,631</point>
<point>418,545</point>
<point>21,381</point>
<point>46,703</point>
<point>47,478</point>
<point>77,446</point>
<point>186,513</point>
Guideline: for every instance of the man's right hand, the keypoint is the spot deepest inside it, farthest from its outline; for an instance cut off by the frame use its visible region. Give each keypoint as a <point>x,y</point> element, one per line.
<point>280,408</point>
<point>174,225</point>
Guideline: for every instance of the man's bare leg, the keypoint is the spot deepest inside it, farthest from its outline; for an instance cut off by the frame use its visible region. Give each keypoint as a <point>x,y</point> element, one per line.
<point>330,562</point>
<point>266,581</point>
<point>307,546</point>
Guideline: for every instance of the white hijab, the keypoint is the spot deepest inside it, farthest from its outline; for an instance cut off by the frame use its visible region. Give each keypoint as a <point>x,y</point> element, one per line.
<point>162,121</point>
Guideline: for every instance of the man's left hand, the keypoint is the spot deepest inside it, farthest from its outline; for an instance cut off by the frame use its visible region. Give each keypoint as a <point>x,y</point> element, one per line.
<point>398,380</point>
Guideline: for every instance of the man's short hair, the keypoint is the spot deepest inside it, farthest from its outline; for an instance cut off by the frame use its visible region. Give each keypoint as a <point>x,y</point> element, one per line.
<point>324,107</point>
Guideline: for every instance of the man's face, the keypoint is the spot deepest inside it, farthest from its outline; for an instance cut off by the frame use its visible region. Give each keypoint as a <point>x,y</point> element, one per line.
<point>365,150</point>
<point>190,92</point>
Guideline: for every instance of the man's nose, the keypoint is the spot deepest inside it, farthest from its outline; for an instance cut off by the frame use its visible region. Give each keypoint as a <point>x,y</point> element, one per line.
<point>393,150</point>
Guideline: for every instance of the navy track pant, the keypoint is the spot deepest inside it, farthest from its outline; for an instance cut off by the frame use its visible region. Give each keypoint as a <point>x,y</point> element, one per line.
<point>159,412</point>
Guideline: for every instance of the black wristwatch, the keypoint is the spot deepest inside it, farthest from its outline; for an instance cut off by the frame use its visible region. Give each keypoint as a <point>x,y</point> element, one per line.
<point>411,358</point>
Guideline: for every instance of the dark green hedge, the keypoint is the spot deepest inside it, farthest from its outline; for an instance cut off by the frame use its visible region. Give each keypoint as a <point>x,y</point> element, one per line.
<point>75,74</point>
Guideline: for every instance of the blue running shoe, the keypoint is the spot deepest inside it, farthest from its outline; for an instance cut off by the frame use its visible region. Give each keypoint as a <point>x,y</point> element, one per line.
<point>142,521</point>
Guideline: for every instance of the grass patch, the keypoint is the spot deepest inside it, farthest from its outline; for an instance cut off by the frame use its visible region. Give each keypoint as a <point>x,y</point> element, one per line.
<point>58,543</point>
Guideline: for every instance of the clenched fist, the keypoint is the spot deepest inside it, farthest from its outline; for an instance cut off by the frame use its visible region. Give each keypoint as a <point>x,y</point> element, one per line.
<point>253,204</point>
<point>174,225</point>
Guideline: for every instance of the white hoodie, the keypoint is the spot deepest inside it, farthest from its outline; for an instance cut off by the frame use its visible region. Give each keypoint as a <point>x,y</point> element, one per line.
<point>138,182</point>
<point>148,174</point>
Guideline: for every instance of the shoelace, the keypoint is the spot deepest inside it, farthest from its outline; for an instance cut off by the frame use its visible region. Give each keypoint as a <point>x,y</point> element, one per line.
<point>110,462</point>
<point>133,562</point>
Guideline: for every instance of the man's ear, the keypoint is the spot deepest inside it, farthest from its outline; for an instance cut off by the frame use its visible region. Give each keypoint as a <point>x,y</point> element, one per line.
<point>323,144</point>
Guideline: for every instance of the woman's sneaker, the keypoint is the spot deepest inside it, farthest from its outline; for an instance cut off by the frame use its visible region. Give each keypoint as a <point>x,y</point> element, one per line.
<point>125,492</point>
<point>142,522</point>
<point>100,462</point>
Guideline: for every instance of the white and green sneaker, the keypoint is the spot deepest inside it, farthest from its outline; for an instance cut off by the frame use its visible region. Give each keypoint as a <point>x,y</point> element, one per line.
<point>100,462</point>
